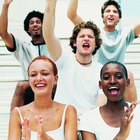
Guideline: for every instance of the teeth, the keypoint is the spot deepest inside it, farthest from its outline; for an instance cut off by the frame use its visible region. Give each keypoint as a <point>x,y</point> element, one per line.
<point>40,85</point>
<point>85,45</point>
<point>111,88</point>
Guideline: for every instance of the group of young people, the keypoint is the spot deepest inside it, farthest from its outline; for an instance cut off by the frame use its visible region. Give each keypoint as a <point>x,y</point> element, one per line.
<point>93,87</point>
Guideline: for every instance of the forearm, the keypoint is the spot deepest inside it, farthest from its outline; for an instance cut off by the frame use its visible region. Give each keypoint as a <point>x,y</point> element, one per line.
<point>51,40</point>
<point>72,12</point>
<point>4,20</point>
<point>49,19</point>
<point>120,137</point>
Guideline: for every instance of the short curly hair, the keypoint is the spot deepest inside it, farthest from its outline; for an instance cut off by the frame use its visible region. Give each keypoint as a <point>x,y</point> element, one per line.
<point>111,2</point>
<point>31,15</point>
<point>86,25</point>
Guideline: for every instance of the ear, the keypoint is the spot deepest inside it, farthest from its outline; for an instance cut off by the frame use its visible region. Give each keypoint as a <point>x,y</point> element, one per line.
<point>74,43</point>
<point>128,83</point>
<point>100,84</point>
<point>56,79</point>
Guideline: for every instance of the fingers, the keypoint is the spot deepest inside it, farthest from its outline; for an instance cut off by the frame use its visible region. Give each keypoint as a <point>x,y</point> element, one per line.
<point>26,131</point>
<point>129,112</point>
<point>39,122</point>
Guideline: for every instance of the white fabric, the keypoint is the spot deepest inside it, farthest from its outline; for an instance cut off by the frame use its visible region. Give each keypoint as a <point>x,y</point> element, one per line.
<point>57,134</point>
<point>25,52</point>
<point>92,121</point>
<point>114,45</point>
<point>77,85</point>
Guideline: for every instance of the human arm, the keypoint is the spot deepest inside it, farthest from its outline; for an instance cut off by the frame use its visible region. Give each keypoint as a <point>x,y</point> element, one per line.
<point>51,40</point>
<point>137,30</point>
<point>88,136</point>
<point>101,100</point>
<point>6,37</point>
<point>125,123</point>
<point>72,12</point>
<point>71,123</point>
<point>14,132</point>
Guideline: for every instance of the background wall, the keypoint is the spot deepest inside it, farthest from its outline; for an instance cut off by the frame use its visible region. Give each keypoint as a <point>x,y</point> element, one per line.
<point>88,9</point>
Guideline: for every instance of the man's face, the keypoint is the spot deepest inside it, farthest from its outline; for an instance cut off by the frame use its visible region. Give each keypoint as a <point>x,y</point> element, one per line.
<point>111,16</point>
<point>35,27</point>
<point>85,42</point>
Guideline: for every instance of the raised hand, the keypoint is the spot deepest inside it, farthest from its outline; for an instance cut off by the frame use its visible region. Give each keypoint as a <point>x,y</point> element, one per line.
<point>26,131</point>
<point>125,123</point>
<point>7,2</point>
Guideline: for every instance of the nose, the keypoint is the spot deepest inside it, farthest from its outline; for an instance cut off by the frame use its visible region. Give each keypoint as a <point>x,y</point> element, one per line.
<point>86,37</point>
<point>39,77</point>
<point>112,80</point>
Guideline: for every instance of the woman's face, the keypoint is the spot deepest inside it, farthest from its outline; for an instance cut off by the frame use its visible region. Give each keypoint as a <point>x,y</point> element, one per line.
<point>41,77</point>
<point>113,82</point>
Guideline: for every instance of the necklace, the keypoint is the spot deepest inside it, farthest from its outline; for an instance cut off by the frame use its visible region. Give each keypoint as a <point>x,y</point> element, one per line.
<point>83,63</point>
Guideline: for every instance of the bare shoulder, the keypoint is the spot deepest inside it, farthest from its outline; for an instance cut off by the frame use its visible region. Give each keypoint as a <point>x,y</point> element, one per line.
<point>71,108</point>
<point>71,111</point>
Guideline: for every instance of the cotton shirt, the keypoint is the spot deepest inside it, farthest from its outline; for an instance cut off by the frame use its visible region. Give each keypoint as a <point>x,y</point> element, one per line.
<point>92,121</point>
<point>25,52</point>
<point>114,45</point>
<point>77,85</point>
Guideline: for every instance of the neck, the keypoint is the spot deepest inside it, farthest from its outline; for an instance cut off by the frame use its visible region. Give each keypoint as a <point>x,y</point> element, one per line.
<point>38,40</point>
<point>109,29</point>
<point>115,105</point>
<point>83,63</point>
<point>42,102</point>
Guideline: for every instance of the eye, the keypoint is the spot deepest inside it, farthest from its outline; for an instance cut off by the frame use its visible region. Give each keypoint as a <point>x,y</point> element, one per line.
<point>107,11</point>
<point>38,22</point>
<point>105,77</point>
<point>45,73</point>
<point>90,36</point>
<point>31,22</point>
<point>33,75</point>
<point>119,76</point>
<point>81,36</point>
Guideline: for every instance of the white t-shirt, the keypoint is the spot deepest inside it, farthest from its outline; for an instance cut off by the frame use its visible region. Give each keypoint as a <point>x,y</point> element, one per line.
<point>25,52</point>
<point>77,85</point>
<point>91,121</point>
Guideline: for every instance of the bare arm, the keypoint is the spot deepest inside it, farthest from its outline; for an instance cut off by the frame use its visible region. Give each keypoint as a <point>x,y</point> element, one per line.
<point>88,136</point>
<point>71,124</point>
<point>51,40</point>
<point>14,126</point>
<point>6,37</point>
<point>72,12</point>
<point>137,30</point>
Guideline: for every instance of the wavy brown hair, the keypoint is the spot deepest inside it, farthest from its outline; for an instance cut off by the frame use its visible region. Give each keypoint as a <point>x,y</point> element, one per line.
<point>86,25</point>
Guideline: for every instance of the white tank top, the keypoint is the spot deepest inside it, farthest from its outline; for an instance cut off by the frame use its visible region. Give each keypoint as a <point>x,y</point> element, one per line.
<point>57,134</point>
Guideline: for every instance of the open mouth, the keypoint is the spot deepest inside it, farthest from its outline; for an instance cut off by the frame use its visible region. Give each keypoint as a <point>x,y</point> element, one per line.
<point>40,85</point>
<point>114,90</point>
<point>86,46</point>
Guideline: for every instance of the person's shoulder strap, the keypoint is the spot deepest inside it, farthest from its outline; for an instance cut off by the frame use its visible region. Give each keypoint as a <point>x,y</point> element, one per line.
<point>64,113</point>
<point>21,118</point>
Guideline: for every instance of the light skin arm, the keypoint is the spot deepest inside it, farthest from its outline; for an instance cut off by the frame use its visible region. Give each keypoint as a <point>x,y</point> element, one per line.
<point>137,30</point>
<point>14,126</point>
<point>88,136</point>
<point>6,37</point>
<point>71,124</point>
<point>72,12</point>
<point>51,40</point>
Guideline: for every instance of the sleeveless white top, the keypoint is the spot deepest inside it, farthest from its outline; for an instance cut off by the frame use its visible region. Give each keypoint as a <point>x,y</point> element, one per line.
<point>57,134</point>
